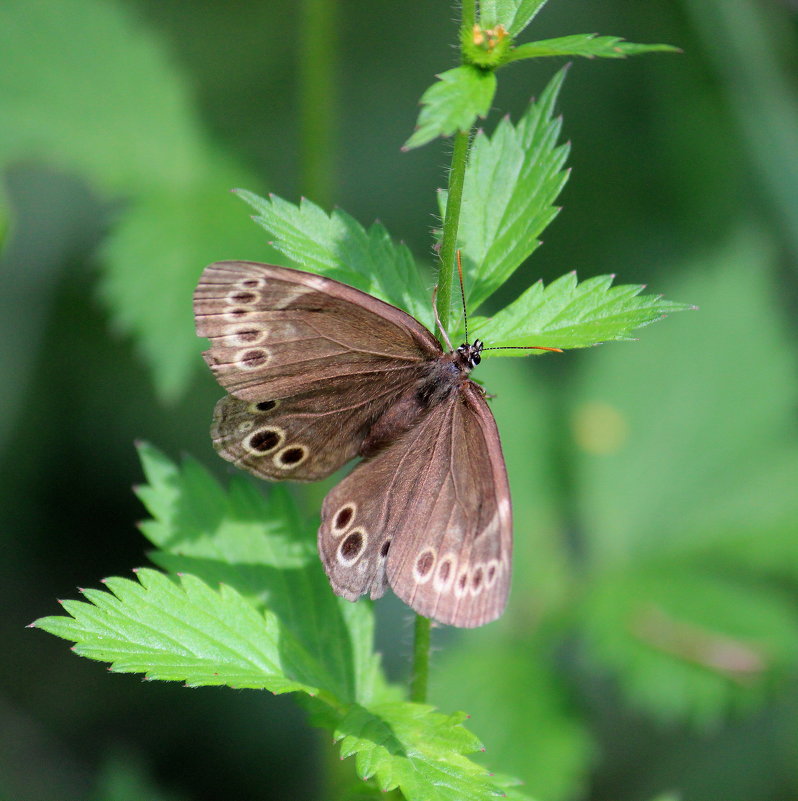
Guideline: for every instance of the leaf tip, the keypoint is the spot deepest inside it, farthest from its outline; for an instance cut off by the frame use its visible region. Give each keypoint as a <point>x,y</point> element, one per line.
<point>694,308</point>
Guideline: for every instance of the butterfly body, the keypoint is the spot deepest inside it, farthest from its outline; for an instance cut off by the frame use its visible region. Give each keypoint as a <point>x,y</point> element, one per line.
<point>320,373</point>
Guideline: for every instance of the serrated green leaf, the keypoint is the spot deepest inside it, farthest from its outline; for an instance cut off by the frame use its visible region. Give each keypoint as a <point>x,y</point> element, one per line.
<point>511,182</point>
<point>537,735</point>
<point>570,314</point>
<point>262,549</point>
<point>514,15</point>
<point>453,103</point>
<point>685,644</point>
<point>420,751</point>
<point>336,245</point>
<point>589,45</point>
<point>184,632</point>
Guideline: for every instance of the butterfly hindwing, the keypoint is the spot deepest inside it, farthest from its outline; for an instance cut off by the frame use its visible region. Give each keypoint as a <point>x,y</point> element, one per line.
<point>430,515</point>
<point>304,437</point>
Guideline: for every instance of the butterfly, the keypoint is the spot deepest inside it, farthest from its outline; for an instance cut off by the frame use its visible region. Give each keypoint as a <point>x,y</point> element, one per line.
<point>319,373</point>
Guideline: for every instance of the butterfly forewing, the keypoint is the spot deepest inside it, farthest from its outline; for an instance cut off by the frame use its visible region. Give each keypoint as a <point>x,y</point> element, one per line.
<point>430,515</point>
<point>277,332</point>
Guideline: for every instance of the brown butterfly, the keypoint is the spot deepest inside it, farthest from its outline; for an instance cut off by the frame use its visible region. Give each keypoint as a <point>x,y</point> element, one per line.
<point>319,373</point>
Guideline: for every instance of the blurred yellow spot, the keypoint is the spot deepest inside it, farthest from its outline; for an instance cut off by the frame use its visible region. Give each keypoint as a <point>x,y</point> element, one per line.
<point>599,428</point>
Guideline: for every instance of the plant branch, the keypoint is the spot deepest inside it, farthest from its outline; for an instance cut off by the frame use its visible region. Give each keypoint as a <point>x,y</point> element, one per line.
<point>451,224</point>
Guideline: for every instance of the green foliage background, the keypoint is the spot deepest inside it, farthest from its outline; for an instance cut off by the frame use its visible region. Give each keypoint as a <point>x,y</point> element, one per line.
<point>650,645</point>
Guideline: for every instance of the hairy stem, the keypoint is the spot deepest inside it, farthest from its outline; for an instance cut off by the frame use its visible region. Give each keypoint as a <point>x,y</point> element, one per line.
<point>468,13</point>
<point>451,224</point>
<point>421,649</point>
<point>317,97</point>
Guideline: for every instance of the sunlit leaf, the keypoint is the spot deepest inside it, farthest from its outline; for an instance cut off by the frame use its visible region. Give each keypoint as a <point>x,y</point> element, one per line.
<point>570,314</point>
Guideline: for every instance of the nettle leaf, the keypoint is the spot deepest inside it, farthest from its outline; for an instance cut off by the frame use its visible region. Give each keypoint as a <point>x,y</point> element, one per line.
<point>336,245</point>
<point>184,631</point>
<point>260,547</point>
<point>589,45</point>
<point>688,644</point>
<point>570,314</point>
<point>453,103</point>
<point>514,15</point>
<point>511,182</point>
<point>418,750</point>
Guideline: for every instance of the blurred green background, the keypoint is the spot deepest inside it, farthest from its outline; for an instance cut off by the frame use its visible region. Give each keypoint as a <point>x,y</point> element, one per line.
<point>651,644</point>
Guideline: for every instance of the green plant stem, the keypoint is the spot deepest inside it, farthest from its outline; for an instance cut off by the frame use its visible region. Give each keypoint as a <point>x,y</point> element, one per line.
<point>451,224</point>
<point>317,97</point>
<point>421,649</point>
<point>468,14</point>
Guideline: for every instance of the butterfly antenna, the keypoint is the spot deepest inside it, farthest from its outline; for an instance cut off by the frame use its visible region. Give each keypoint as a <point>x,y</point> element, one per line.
<point>462,294</point>
<point>525,347</point>
<point>438,319</point>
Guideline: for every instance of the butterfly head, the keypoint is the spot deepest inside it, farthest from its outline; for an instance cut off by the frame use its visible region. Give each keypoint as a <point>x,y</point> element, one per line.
<point>468,355</point>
